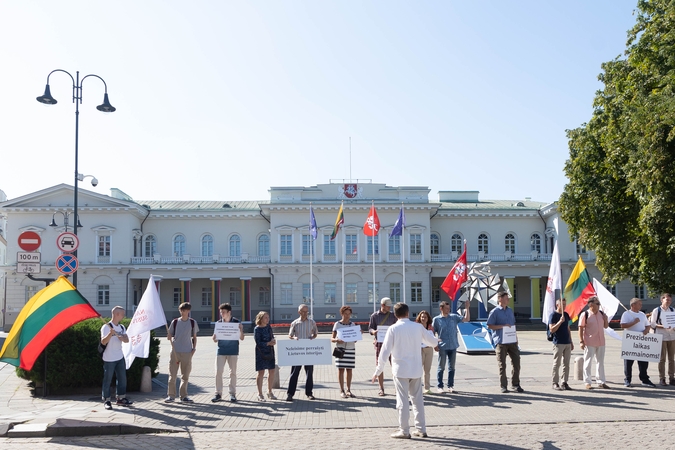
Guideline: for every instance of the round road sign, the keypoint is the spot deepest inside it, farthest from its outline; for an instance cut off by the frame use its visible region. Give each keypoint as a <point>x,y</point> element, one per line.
<point>67,242</point>
<point>29,241</point>
<point>66,264</point>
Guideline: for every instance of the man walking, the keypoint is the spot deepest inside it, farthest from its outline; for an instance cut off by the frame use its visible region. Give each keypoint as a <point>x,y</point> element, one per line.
<point>445,327</point>
<point>592,326</point>
<point>635,320</point>
<point>558,326</point>
<point>668,343</point>
<point>112,336</point>
<point>381,318</point>
<point>228,352</point>
<point>403,341</point>
<point>183,337</point>
<point>500,318</point>
<point>302,328</point>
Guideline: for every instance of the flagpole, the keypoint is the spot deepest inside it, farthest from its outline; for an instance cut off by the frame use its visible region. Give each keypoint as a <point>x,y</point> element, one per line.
<point>343,255</point>
<point>403,255</point>
<point>311,278</point>
<point>373,254</point>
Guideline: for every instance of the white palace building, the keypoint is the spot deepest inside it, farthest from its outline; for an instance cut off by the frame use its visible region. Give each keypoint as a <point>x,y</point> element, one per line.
<point>256,254</point>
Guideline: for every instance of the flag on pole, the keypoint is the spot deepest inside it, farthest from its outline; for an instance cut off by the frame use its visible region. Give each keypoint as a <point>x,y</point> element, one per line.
<point>312,223</point>
<point>578,290</point>
<point>338,223</point>
<point>554,284</point>
<point>609,304</point>
<point>400,223</point>
<point>148,316</point>
<point>45,316</point>
<point>457,276</point>
<point>372,225</point>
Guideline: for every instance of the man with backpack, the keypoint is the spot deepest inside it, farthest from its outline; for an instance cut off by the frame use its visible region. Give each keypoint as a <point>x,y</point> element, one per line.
<point>592,324</point>
<point>113,334</point>
<point>668,343</point>
<point>559,333</point>
<point>182,334</point>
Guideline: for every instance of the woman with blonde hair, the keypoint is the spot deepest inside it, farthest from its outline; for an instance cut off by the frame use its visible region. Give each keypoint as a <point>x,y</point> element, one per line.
<point>264,353</point>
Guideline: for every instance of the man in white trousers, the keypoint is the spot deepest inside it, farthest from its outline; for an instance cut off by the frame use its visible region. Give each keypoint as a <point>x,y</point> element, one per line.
<point>403,342</point>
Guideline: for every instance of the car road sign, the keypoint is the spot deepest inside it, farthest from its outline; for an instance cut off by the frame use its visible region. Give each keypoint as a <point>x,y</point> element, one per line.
<point>67,264</point>
<point>29,241</point>
<point>67,242</point>
<point>28,267</point>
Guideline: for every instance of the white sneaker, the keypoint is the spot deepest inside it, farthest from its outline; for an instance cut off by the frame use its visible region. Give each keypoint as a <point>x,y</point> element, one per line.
<point>400,435</point>
<point>428,391</point>
<point>419,433</point>
<point>439,390</point>
<point>449,390</point>
<point>169,400</point>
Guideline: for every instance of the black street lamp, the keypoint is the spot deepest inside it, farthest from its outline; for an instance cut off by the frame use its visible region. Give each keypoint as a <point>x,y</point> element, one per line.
<point>47,99</point>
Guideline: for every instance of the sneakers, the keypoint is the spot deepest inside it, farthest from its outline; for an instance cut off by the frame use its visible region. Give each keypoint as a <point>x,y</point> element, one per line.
<point>186,400</point>
<point>289,398</point>
<point>428,391</point>
<point>169,400</point>
<point>439,390</point>
<point>123,402</point>
<point>271,396</point>
<point>450,390</point>
<point>419,434</point>
<point>216,398</point>
<point>556,387</point>
<point>566,387</point>
<point>648,383</point>
<point>400,435</point>
<point>627,384</point>
<point>233,398</point>
<point>519,389</point>
<point>504,390</point>
<point>107,405</point>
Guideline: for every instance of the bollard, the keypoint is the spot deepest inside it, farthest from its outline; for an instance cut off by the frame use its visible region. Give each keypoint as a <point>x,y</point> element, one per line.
<point>146,379</point>
<point>276,384</point>
<point>579,368</point>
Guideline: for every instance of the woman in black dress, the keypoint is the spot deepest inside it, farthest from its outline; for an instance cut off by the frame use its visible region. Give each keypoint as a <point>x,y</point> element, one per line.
<point>264,353</point>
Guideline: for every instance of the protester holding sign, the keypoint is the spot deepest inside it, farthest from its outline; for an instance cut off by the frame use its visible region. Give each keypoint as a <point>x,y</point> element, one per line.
<point>445,327</point>
<point>661,323</point>
<point>592,324</point>
<point>228,351</point>
<point>502,323</point>
<point>302,328</point>
<point>558,325</point>
<point>382,318</point>
<point>348,361</point>
<point>635,320</point>
<point>264,354</point>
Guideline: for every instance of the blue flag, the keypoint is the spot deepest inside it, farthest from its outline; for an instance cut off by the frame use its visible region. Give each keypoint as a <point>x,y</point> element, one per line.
<point>312,223</point>
<point>399,225</point>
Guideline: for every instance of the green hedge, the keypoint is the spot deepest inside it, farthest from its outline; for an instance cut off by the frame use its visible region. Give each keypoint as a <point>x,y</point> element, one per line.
<point>73,361</point>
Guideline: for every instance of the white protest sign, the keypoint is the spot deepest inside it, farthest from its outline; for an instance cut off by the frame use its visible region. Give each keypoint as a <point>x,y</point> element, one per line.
<point>641,347</point>
<point>349,334</point>
<point>227,331</point>
<point>509,335</point>
<point>381,332</point>
<point>668,319</point>
<point>304,352</point>
<point>431,332</point>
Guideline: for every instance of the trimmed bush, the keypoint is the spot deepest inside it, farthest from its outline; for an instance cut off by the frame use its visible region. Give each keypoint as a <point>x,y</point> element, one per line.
<point>73,361</point>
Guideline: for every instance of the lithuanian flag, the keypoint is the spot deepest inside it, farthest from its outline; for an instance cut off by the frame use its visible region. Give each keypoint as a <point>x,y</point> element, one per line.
<point>338,223</point>
<point>45,316</point>
<point>578,290</point>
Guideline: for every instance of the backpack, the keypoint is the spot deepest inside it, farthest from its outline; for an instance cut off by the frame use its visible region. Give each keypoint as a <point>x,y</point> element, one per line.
<point>101,347</point>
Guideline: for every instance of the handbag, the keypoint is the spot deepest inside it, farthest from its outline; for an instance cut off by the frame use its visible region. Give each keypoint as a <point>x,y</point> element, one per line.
<point>339,352</point>
<point>266,356</point>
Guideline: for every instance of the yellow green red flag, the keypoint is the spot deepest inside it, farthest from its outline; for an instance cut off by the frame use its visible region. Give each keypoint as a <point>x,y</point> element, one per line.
<point>578,290</point>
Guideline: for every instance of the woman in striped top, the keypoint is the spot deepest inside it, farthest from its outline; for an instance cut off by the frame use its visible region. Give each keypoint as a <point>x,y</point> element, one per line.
<point>348,361</point>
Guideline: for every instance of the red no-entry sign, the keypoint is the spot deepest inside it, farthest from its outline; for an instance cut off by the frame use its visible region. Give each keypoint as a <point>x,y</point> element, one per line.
<point>29,241</point>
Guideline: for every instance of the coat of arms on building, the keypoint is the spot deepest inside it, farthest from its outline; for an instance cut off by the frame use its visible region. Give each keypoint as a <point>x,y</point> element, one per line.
<point>349,191</point>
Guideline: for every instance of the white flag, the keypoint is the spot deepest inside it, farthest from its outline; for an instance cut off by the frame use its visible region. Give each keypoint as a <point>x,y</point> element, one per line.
<point>554,283</point>
<point>609,304</point>
<point>148,316</point>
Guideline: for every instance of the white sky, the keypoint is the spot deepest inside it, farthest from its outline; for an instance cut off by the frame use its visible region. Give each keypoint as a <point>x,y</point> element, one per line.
<point>223,99</point>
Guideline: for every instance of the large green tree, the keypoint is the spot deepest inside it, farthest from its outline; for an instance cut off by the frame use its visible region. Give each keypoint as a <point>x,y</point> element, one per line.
<point>620,199</point>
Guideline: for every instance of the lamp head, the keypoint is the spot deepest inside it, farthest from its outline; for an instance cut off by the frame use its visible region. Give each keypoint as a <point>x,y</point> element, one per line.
<point>47,98</point>
<point>106,106</point>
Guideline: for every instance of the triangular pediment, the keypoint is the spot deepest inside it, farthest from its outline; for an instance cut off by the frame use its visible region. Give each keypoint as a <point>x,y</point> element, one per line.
<point>61,196</point>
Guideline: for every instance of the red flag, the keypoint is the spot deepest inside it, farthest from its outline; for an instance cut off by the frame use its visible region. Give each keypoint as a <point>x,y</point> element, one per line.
<point>372,225</point>
<point>456,277</point>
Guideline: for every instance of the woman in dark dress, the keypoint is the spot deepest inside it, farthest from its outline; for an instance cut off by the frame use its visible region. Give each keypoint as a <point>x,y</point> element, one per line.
<point>264,353</point>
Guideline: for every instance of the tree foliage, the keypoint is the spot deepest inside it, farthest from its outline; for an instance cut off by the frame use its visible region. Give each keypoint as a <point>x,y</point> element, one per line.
<point>620,199</point>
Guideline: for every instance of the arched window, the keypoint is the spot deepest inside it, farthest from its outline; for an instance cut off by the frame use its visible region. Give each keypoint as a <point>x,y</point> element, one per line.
<point>510,243</point>
<point>179,245</point>
<point>235,245</point>
<point>435,243</point>
<point>456,243</point>
<point>535,242</point>
<point>150,246</point>
<point>264,245</point>
<point>207,245</point>
<point>483,243</point>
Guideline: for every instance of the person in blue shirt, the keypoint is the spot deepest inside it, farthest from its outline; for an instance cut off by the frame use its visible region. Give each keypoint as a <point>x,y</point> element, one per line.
<point>499,318</point>
<point>445,327</point>
<point>558,325</point>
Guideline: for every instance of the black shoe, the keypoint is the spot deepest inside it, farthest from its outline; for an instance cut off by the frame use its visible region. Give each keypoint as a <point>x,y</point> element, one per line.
<point>311,397</point>
<point>124,402</point>
<point>672,382</point>
<point>107,405</point>
<point>519,389</point>
<point>504,390</point>
<point>233,398</point>
<point>216,398</point>
<point>566,387</point>
<point>289,398</point>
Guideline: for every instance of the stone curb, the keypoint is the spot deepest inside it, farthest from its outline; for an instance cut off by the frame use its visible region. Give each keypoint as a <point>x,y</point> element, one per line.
<point>69,427</point>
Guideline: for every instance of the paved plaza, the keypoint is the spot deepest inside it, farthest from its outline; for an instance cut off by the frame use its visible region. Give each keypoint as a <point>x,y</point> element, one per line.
<point>478,416</point>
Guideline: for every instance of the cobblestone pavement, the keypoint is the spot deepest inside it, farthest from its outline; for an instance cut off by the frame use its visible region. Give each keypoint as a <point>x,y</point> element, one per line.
<point>538,418</point>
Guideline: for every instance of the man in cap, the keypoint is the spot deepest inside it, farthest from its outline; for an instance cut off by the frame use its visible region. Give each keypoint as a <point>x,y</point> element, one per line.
<point>382,319</point>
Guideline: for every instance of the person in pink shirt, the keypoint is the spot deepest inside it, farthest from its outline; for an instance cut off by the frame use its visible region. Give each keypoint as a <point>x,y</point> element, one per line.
<point>592,324</point>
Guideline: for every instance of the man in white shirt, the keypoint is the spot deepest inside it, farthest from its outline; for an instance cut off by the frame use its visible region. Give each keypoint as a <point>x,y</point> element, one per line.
<point>668,343</point>
<point>403,341</point>
<point>113,334</point>
<point>635,320</point>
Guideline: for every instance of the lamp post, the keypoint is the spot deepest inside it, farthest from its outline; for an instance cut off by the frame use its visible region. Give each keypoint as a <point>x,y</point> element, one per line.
<point>47,99</point>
